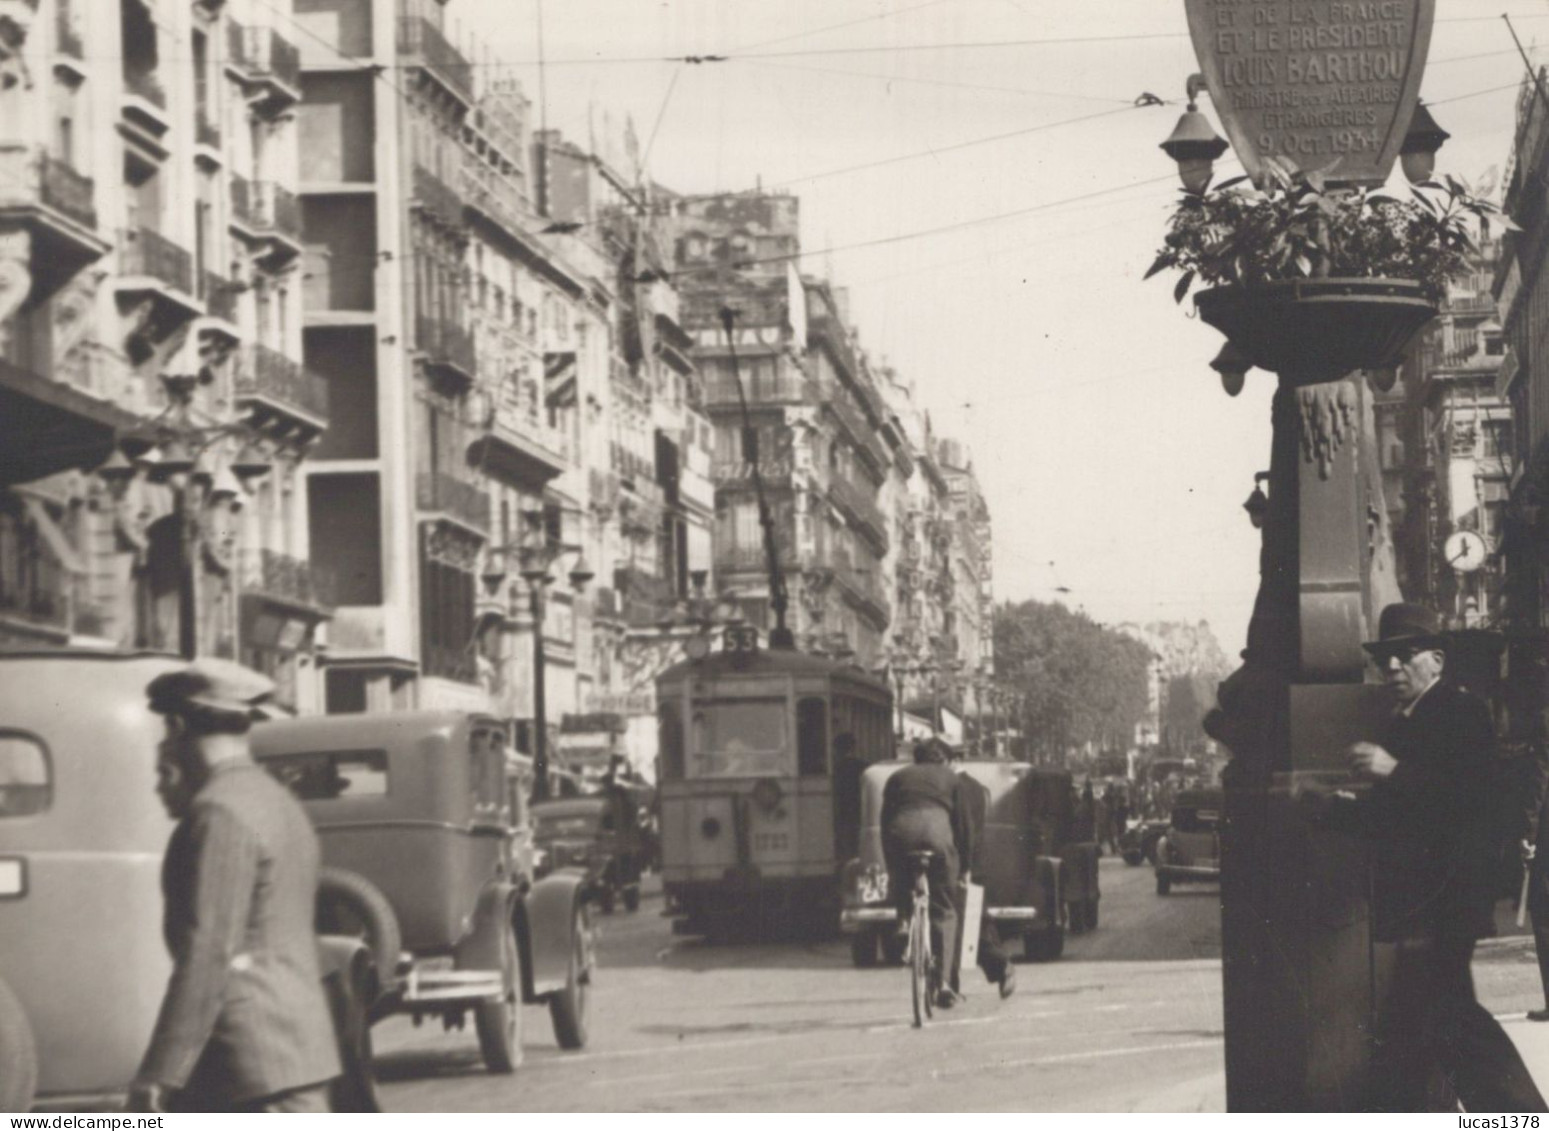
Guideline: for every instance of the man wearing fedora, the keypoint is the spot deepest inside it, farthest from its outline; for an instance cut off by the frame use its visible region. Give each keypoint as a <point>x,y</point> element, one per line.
<point>244,1025</point>
<point>1427,811</point>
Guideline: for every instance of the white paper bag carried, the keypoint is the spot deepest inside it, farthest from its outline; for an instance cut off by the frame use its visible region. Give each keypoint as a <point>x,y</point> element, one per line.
<point>973,911</point>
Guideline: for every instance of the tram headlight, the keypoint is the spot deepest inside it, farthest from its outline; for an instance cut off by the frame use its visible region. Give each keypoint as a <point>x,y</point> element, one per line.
<point>767,794</point>
<point>710,828</point>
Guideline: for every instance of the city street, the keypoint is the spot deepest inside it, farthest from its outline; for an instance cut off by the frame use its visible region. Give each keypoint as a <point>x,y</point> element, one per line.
<point>678,1025</point>
<point>1128,1019</point>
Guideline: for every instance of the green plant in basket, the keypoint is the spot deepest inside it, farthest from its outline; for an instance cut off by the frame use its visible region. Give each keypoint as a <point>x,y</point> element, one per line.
<point>1296,227</point>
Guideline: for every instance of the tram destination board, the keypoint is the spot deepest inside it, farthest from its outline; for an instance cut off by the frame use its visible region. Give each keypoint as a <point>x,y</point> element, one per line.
<point>1327,84</point>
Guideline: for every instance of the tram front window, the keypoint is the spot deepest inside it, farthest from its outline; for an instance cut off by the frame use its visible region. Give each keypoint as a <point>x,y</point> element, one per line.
<point>741,738</point>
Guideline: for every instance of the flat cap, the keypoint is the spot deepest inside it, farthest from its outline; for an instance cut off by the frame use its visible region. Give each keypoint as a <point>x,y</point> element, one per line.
<point>211,684</point>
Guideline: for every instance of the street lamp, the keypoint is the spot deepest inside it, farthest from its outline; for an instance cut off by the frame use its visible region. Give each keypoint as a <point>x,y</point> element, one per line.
<point>1417,155</point>
<point>1194,143</point>
<point>537,555</point>
<point>1257,504</point>
<point>172,450</point>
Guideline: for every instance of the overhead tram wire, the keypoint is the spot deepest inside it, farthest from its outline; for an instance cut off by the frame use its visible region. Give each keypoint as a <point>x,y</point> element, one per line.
<point>953,147</point>
<point>890,79</point>
<point>835,27</point>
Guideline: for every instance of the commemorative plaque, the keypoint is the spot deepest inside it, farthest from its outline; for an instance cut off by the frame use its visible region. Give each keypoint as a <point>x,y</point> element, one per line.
<point>1329,84</point>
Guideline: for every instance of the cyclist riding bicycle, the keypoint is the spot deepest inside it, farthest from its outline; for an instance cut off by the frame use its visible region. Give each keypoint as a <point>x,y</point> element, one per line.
<point>925,808</point>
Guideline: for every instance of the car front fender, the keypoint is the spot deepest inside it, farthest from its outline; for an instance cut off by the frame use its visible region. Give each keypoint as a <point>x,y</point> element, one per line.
<point>549,917</point>
<point>1163,851</point>
<point>1046,883</point>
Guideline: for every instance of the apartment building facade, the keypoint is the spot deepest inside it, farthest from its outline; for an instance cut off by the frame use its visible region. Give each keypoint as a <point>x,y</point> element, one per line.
<point>151,325</point>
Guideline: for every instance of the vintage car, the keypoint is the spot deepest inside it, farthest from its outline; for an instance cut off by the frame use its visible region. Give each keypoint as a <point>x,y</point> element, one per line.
<point>1018,862</point>
<point>599,834</point>
<point>1137,844</point>
<point>83,965</point>
<point>1190,850</point>
<point>427,856</point>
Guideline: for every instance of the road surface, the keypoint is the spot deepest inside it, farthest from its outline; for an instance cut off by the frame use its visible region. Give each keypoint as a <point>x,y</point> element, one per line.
<point>1129,1018</point>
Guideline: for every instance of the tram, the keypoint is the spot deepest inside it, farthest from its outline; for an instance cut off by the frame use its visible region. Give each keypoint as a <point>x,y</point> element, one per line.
<point>760,760</point>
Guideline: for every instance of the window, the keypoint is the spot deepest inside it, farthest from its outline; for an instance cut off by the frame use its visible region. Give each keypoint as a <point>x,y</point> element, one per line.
<point>26,783</point>
<point>669,742</point>
<point>740,738</point>
<point>328,775</point>
<point>811,738</point>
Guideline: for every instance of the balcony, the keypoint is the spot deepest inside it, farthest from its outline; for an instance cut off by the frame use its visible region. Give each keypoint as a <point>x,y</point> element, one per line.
<point>284,580</point>
<point>219,296</point>
<point>863,590</point>
<point>423,46</point>
<point>271,67</point>
<point>861,510</point>
<point>751,559</point>
<point>275,386</point>
<point>438,494</point>
<point>448,348</point>
<point>737,474</point>
<point>862,435</point>
<point>144,120</point>
<point>519,447</point>
<point>647,599</point>
<point>55,203</point>
<point>34,600</point>
<point>436,197</point>
<point>151,265</point>
<point>263,210</point>
<point>782,388</point>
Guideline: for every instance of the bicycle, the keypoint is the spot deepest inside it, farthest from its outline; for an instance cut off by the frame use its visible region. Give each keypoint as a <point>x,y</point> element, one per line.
<point>924,971</point>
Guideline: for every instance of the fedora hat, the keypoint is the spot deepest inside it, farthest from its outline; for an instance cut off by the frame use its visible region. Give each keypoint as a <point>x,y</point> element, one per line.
<point>1403,624</point>
<point>210,685</point>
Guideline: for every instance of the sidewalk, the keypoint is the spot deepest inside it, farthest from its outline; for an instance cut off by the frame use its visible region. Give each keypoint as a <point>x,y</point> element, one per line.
<point>1208,1093</point>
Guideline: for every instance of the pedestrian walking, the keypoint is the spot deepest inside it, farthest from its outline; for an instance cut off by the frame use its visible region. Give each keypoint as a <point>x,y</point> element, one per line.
<point>1427,811</point>
<point>244,1025</point>
<point>1535,860</point>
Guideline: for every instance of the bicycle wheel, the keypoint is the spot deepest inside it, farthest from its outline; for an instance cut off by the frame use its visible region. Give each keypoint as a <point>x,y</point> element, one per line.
<point>920,962</point>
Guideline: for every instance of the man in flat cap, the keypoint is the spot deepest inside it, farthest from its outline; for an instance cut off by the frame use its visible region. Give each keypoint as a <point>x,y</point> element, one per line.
<point>244,1025</point>
<point>1428,812</point>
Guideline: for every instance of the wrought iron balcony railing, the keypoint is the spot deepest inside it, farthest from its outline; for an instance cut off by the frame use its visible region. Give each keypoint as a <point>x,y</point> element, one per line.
<point>436,491</point>
<point>30,176</point>
<point>219,296</point>
<point>647,599</point>
<point>289,578</point>
<point>266,208</point>
<point>282,381</point>
<point>861,509</point>
<point>142,251</point>
<point>206,132</point>
<point>447,346</point>
<point>269,55</point>
<point>432,193</point>
<point>423,43</point>
<point>67,37</point>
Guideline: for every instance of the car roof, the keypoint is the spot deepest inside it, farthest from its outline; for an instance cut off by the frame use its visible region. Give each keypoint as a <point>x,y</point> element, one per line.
<point>589,805</point>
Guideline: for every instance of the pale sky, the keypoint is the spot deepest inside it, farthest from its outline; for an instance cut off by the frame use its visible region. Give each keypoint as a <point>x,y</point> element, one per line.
<point>1103,440</point>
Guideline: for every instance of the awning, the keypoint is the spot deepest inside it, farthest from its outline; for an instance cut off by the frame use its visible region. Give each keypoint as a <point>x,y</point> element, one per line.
<point>559,379</point>
<point>47,426</point>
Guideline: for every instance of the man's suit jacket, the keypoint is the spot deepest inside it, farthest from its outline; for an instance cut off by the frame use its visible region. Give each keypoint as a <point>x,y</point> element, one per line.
<point>1432,819</point>
<point>244,1014</point>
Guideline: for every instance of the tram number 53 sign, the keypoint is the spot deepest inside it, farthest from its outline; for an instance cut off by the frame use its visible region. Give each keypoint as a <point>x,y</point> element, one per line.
<point>1327,84</point>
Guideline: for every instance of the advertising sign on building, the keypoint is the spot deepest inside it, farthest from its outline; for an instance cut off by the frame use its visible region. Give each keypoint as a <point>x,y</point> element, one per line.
<point>1327,84</point>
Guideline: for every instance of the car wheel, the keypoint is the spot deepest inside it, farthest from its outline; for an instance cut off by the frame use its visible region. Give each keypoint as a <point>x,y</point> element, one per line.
<point>18,1055</point>
<point>1075,915</point>
<point>498,1022</point>
<point>1045,945</point>
<point>1133,857</point>
<point>568,1007</point>
<point>632,898</point>
<point>350,904</point>
<point>863,950</point>
<point>1163,884</point>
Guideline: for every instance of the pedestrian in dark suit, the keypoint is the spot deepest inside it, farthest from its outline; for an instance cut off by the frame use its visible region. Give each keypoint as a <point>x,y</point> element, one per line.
<point>1535,859</point>
<point>1428,812</point>
<point>244,1025</point>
